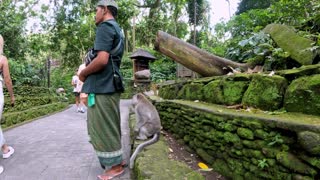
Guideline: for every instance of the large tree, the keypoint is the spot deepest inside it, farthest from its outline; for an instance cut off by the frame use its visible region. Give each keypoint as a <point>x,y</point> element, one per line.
<point>13,18</point>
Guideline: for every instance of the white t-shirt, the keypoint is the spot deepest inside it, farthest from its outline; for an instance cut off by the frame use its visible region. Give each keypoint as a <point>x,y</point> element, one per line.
<point>80,83</point>
<point>75,80</point>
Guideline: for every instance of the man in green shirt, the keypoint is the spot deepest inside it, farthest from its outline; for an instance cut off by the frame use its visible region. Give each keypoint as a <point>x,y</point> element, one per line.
<point>104,98</point>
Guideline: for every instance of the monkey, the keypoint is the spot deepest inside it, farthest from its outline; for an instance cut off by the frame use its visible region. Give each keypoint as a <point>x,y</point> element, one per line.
<point>147,123</point>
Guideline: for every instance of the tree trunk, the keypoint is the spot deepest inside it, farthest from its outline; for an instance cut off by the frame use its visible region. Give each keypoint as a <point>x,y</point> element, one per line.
<point>193,57</point>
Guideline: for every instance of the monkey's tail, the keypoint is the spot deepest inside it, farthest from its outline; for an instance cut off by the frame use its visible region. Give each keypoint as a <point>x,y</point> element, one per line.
<point>154,139</point>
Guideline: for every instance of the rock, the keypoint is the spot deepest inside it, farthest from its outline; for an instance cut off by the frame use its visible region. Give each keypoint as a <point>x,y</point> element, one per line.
<point>144,74</point>
<point>265,92</point>
<point>298,47</point>
<point>291,162</point>
<point>303,95</point>
<point>60,90</point>
<point>310,141</point>
<point>245,133</point>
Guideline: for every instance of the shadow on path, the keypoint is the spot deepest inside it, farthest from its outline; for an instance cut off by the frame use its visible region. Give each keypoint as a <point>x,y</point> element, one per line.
<point>56,147</point>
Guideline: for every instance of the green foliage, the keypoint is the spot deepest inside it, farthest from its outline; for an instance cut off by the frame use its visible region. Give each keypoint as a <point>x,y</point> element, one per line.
<point>246,5</point>
<point>276,140</point>
<point>13,18</point>
<point>62,78</point>
<point>126,68</point>
<point>73,32</point>
<point>259,49</point>
<point>25,74</point>
<point>196,10</point>
<point>262,164</point>
<point>163,68</point>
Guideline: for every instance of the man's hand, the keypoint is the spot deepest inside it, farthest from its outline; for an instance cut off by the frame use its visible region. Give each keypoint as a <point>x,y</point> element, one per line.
<point>82,78</point>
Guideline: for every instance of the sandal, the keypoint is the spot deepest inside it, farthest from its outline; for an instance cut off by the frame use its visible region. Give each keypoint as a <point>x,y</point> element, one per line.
<point>108,176</point>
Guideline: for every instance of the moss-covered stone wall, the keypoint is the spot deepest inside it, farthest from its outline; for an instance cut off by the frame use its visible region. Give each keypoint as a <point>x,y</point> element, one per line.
<point>292,90</point>
<point>243,145</point>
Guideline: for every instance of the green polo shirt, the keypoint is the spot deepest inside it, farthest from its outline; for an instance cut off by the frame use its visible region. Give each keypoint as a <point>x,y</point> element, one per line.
<point>107,37</point>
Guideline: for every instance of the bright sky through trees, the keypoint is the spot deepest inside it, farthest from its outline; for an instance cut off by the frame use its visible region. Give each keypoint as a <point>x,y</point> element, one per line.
<point>220,10</point>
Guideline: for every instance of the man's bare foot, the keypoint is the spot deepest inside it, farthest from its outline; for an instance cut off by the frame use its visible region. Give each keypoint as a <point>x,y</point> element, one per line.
<point>112,173</point>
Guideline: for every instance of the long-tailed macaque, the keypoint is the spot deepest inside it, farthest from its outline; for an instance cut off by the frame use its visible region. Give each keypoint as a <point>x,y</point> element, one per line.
<point>147,123</point>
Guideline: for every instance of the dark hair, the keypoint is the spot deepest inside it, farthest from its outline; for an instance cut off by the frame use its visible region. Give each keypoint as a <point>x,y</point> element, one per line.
<point>113,11</point>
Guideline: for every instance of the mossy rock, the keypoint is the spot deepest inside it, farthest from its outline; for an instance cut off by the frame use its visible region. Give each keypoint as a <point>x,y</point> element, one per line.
<point>153,164</point>
<point>298,47</point>
<point>303,95</point>
<point>231,137</point>
<point>292,74</point>
<point>169,91</point>
<point>314,161</point>
<point>213,92</point>
<point>192,91</point>
<point>310,141</point>
<point>222,167</point>
<point>233,90</point>
<point>265,92</point>
<point>291,162</point>
<point>205,156</point>
<point>256,144</point>
<point>245,133</point>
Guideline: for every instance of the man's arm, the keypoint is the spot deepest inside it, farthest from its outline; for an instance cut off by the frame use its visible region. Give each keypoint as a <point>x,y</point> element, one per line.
<point>95,66</point>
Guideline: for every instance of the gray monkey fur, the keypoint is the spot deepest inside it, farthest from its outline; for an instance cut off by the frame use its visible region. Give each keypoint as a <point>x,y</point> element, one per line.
<point>147,123</point>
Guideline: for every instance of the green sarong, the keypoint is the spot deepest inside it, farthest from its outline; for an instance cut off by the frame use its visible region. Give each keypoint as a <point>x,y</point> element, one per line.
<point>104,128</point>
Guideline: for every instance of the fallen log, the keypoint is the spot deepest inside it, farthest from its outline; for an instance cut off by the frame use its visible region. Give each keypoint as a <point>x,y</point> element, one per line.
<point>193,57</point>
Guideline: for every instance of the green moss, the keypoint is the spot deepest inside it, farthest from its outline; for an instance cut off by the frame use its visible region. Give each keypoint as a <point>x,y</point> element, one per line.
<point>230,137</point>
<point>205,156</point>
<point>303,95</point>
<point>245,133</point>
<point>265,92</point>
<point>192,91</point>
<point>212,92</point>
<point>235,166</point>
<point>291,162</point>
<point>292,74</point>
<point>153,164</point>
<point>271,162</point>
<point>252,124</point>
<point>270,152</point>
<point>298,47</point>
<point>256,144</point>
<point>226,127</point>
<point>260,134</point>
<point>222,167</point>
<point>233,91</point>
<point>169,91</point>
<point>314,161</point>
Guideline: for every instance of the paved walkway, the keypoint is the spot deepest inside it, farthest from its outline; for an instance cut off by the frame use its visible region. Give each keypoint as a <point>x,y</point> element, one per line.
<point>57,148</point>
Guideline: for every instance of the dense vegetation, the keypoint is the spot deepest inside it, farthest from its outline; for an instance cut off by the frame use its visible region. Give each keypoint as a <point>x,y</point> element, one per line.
<point>65,30</point>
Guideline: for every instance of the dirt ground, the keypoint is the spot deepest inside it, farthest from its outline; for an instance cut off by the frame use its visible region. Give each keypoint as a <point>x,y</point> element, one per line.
<point>178,152</point>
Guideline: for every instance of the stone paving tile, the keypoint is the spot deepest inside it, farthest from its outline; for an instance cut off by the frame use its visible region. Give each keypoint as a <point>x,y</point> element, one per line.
<point>56,147</point>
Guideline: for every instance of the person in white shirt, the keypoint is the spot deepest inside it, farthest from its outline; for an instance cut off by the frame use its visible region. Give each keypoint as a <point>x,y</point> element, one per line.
<point>83,96</point>
<point>77,86</point>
